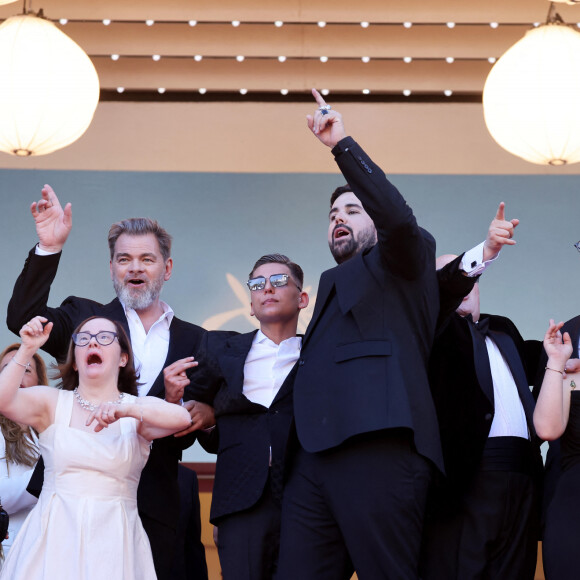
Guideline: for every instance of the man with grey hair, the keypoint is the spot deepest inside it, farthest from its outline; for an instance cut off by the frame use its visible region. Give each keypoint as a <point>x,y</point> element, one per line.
<point>140,264</point>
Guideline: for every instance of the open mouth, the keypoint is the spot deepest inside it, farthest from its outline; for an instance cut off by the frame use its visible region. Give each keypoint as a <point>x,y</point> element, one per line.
<point>136,282</point>
<point>94,359</point>
<point>341,232</point>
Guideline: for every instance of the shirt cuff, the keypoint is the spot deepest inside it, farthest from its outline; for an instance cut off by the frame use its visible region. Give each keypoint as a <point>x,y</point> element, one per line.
<point>472,263</point>
<point>40,252</point>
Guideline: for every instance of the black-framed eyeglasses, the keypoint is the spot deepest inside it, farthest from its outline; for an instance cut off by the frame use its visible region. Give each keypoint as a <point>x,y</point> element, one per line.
<point>577,246</point>
<point>276,281</point>
<point>103,337</point>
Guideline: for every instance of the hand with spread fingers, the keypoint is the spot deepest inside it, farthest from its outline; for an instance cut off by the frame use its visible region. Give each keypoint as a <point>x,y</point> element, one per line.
<point>175,378</point>
<point>326,123</point>
<point>53,223</point>
<point>558,347</point>
<point>500,233</point>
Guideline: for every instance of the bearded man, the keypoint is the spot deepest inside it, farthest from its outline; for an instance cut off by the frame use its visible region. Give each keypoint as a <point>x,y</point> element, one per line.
<point>140,264</point>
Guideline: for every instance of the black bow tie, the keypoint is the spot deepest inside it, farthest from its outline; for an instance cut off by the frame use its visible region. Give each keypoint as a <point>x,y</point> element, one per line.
<point>482,326</point>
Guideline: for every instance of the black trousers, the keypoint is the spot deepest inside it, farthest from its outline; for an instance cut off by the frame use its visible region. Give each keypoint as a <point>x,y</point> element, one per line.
<point>249,541</point>
<point>493,533</point>
<point>359,506</point>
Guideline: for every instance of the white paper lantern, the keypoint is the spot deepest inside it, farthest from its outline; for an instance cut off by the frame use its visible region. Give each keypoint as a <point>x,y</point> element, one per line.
<point>49,88</point>
<point>531,99</point>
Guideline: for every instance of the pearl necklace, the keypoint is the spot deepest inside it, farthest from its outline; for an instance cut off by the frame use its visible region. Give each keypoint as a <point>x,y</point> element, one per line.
<point>89,406</point>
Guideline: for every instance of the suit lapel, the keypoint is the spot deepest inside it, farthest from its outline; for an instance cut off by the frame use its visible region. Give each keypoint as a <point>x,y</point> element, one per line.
<point>481,361</point>
<point>287,385</point>
<point>179,347</point>
<point>115,311</point>
<point>233,358</point>
<point>325,286</point>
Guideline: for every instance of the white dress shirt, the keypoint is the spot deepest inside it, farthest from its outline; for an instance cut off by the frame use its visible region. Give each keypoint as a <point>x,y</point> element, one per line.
<point>472,262</point>
<point>509,417</point>
<point>267,366</point>
<point>149,348</point>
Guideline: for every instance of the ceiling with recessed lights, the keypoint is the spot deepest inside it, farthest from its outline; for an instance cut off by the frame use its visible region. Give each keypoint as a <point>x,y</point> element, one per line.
<point>277,49</point>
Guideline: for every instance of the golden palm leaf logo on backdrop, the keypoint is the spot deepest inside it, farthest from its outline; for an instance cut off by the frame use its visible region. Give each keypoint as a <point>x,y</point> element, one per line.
<point>220,320</point>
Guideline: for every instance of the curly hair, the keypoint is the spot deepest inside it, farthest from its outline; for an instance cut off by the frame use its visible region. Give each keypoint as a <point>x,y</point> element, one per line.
<point>127,382</point>
<point>19,445</point>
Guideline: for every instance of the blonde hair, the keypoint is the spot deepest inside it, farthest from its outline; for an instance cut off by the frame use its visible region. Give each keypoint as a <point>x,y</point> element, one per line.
<point>20,446</point>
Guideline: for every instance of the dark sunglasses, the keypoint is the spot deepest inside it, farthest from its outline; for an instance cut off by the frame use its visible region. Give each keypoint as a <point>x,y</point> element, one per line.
<point>104,337</point>
<point>276,280</point>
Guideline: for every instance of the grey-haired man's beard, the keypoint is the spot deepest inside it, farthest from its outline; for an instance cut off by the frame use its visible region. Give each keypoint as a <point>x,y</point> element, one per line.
<point>141,297</point>
<point>343,250</point>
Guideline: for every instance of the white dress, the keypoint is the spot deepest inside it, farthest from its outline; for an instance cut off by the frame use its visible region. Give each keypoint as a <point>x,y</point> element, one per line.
<point>85,525</point>
<point>15,499</point>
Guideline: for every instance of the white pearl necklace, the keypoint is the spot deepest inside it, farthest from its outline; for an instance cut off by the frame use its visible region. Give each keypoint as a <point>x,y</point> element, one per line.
<point>89,406</point>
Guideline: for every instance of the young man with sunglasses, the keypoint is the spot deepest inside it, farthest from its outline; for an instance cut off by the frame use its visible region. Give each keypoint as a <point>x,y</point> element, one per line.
<point>252,385</point>
<point>140,264</point>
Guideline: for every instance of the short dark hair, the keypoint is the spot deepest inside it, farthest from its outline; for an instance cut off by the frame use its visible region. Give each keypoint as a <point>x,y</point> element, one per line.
<point>127,383</point>
<point>338,192</point>
<point>294,268</point>
<point>140,227</point>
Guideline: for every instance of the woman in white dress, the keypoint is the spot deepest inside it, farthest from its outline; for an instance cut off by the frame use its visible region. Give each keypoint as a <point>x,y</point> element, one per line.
<point>18,452</point>
<point>94,436</point>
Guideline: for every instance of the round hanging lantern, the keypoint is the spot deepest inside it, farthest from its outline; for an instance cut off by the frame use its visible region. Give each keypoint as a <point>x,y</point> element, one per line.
<point>49,88</point>
<point>531,98</point>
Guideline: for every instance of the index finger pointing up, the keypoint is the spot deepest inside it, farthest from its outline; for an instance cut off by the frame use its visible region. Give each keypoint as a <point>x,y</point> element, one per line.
<point>318,98</point>
<point>500,214</point>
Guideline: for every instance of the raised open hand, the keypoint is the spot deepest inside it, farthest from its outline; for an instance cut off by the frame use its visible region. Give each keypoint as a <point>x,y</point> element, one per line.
<point>53,223</point>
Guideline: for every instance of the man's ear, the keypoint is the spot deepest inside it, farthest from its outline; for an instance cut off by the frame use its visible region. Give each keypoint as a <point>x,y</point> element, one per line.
<point>168,269</point>
<point>303,300</point>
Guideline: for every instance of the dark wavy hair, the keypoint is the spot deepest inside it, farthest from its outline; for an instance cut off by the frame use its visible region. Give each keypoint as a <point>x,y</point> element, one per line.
<point>127,383</point>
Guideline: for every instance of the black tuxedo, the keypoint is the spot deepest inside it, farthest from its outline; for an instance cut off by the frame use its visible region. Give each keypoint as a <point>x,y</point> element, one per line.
<point>247,493</point>
<point>463,393</point>
<point>362,402</point>
<point>158,492</point>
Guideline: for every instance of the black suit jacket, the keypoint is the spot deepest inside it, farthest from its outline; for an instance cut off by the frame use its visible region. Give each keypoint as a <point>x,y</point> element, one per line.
<point>364,357</point>
<point>158,492</point>
<point>245,430</point>
<point>463,392</point>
